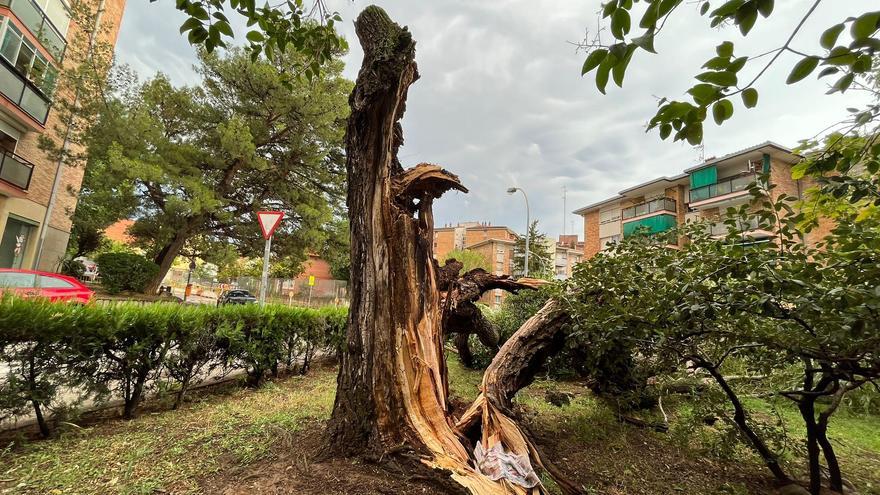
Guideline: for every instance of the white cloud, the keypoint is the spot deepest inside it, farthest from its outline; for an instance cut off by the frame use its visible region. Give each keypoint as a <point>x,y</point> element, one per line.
<point>501,101</point>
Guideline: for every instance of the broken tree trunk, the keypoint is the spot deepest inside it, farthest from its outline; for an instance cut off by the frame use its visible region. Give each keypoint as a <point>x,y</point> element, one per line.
<point>392,392</point>
<point>461,316</point>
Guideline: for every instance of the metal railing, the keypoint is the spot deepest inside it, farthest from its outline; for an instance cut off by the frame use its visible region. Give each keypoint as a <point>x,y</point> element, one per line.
<point>724,186</point>
<point>659,204</point>
<point>23,92</point>
<point>15,170</point>
<point>39,24</point>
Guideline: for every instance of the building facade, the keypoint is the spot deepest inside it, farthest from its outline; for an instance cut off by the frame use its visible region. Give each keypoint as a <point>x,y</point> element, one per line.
<point>704,191</point>
<point>36,36</point>
<point>494,242</point>
<point>566,252</point>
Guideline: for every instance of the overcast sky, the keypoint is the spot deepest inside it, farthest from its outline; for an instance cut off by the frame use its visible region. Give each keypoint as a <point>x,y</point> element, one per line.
<point>501,101</point>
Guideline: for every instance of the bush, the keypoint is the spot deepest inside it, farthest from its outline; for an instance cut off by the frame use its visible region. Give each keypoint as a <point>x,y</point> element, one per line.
<point>127,349</point>
<point>71,268</point>
<point>125,272</point>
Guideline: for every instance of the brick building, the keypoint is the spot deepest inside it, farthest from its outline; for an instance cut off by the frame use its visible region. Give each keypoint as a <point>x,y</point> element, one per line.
<point>704,191</point>
<point>36,35</point>
<point>494,242</point>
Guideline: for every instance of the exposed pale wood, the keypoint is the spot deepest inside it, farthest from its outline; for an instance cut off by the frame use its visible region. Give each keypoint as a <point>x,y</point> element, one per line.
<point>392,394</point>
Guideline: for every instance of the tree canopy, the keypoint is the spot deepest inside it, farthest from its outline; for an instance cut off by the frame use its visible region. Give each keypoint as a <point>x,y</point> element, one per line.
<point>200,161</point>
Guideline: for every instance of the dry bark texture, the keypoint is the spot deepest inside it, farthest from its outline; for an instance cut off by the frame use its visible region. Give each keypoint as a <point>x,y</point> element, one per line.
<point>392,393</point>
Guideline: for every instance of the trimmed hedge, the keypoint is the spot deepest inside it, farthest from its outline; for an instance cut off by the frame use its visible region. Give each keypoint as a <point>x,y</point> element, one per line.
<point>126,349</point>
<point>125,271</point>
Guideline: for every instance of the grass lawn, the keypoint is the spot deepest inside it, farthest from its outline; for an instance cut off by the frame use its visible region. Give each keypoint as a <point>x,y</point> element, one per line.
<point>264,441</point>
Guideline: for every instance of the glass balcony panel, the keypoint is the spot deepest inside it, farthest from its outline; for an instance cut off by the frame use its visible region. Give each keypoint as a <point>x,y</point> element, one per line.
<point>10,83</point>
<point>641,209</point>
<point>15,170</point>
<point>59,15</point>
<point>35,104</point>
<point>28,13</point>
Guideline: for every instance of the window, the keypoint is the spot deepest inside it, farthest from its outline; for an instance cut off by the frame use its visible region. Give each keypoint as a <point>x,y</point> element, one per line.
<point>497,300</point>
<point>27,60</point>
<point>54,283</point>
<point>17,280</point>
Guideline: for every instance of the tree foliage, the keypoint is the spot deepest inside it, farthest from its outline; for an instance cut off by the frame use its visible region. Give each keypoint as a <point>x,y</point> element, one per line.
<point>779,306</point>
<point>469,258</point>
<point>200,161</point>
<point>540,258</point>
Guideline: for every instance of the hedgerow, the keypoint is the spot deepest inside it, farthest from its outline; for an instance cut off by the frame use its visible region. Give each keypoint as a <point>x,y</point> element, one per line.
<point>125,350</point>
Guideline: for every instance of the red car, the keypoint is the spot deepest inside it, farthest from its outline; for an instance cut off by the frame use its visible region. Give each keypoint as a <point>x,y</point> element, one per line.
<point>53,286</point>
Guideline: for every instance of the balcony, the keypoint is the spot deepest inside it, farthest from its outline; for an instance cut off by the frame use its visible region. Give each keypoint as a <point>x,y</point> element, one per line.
<point>659,204</point>
<point>38,23</point>
<point>722,187</point>
<point>650,225</point>
<point>15,170</point>
<point>23,92</point>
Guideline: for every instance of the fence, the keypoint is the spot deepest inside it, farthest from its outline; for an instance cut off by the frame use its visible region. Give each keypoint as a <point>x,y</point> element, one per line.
<point>292,292</point>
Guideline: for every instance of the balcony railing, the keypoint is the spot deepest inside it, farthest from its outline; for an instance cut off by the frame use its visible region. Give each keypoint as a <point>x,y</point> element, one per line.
<point>719,228</point>
<point>15,170</point>
<point>722,187</point>
<point>23,92</point>
<point>659,204</point>
<point>33,17</point>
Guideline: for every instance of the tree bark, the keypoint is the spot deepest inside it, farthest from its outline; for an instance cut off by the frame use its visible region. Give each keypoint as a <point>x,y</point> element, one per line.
<point>739,418</point>
<point>165,258</point>
<point>392,393</point>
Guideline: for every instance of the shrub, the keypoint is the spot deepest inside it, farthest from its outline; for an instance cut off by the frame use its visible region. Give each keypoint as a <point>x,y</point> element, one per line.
<point>125,272</point>
<point>125,349</point>
<point>71,268</point>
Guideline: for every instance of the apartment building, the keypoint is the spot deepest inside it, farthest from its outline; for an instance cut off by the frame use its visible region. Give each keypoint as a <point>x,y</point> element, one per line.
<point>36,36</point>
<point>566,253</point>
<point>702,191</point>
<point>494,242</point>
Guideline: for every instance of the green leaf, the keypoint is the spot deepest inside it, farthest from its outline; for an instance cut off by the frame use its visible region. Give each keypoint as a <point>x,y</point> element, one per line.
<point>802,69</point>
<point>255,36</point>
<point>737,64</point>
<point>843,83</point>
<point>840,56</point>
<point>799,170</point>
<point>645,42</point>
<point>665,130</point>
<point>224,28</point>
<point>190,23</point>
<point>765,7</point>
<point>750,97</point>
<point>694,133</point>
<point>649,18</point>
<point>609,8</point>
<point>619,69</point>
<point>620,23</point>
<point>704,93</point>
<point>725,49</point>
<point>827,71</point>
<point>746,17</point>
<point>727,8</point>
<point>718,78</point>
<point>717,63</point>
<point>865,25</point>
<point>593,60</point>
<point>704,8</point>
<point>829,37</point>
<point>602,75</point>
<point>722,110</point>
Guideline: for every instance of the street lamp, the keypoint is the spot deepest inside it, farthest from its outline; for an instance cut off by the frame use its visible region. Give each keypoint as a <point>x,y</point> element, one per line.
<point>513,190</point>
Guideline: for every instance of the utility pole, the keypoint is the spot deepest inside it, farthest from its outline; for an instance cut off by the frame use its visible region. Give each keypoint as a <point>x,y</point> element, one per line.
<point>564,208</point>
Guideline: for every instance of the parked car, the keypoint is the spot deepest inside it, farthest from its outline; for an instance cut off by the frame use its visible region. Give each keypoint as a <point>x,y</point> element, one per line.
<point>53,286</point>
<point>236,296</point>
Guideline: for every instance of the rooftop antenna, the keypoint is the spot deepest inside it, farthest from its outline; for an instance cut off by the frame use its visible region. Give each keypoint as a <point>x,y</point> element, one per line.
<point>701,150</point>
<point>563,210</point>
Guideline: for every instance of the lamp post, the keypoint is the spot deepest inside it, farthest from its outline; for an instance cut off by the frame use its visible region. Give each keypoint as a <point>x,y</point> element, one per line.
<point>188,289</point>
<point>513,190</point>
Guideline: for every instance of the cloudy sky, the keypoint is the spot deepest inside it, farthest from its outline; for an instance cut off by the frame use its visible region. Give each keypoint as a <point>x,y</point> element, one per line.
<point>501,101</point>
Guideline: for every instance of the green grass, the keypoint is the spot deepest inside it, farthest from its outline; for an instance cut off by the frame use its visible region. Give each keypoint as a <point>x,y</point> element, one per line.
<point>169,450</point>
<point>172,451</point>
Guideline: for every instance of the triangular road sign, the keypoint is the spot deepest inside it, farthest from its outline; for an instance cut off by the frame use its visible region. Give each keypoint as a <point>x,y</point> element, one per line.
<point>269,221</point>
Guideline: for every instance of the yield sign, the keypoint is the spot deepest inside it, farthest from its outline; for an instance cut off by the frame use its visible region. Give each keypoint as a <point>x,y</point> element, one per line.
<point>269,221</point>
